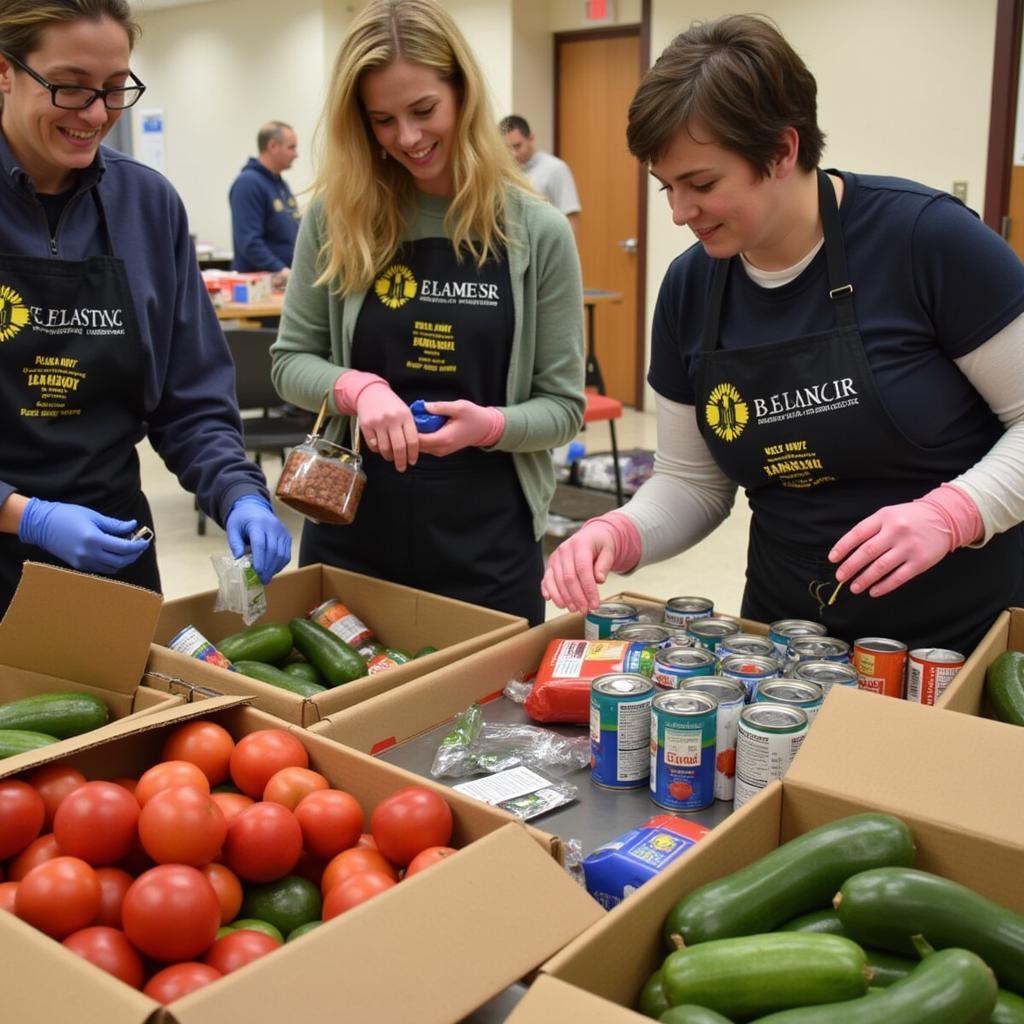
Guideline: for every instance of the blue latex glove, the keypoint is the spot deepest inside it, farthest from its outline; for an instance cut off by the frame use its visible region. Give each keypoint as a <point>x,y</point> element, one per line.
<point>80,536</point>
<point>252,522</point>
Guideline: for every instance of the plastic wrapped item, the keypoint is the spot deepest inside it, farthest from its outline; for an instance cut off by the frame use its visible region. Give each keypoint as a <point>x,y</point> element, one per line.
<point>558,794</point>
<point>517,690</point>
<point>239,588</point>
<point>574,860</point>
<point>597,471</point>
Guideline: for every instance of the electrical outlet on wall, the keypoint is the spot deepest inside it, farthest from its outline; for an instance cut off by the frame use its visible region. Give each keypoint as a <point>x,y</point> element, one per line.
<point>960,190</point>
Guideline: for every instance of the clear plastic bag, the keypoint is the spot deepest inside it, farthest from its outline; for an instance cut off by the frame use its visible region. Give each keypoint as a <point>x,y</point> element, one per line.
<point>240,589</point>
<point>530,805</point>
<point>517,690</point>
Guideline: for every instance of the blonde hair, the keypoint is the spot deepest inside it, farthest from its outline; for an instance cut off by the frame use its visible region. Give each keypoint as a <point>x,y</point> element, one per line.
<point>367,199</point>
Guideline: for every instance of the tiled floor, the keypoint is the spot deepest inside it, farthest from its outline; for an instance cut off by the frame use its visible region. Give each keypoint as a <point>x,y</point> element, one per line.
<point>713,569</point>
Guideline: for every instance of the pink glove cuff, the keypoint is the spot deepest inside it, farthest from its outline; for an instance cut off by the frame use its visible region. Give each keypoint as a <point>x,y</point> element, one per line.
<point>496,427</point>
<point>958,512</point>
<point>626,536</point>
<point>350,385</point>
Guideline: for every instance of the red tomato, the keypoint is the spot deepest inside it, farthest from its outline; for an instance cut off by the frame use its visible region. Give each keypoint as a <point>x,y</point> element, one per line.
<point>353,891</point>
<point>174,982</point>
<point>239,948</point>
<point>205,744</point>
<point>261,754</point>
<point>39,850</point>
<point>228,889</point>
<point>427,858</point>
<point>355,862</point>
<point>231,804</point>
<point>110,950</point>
<point>8,893</point>
<point>263,842</point>
<point>410,820</point>
<point>114,883</point>
<point>290,785</point>
<point>22,813</point>
<point>59,897</point>
<point>97,822</point>
<point>171,913</point>
<point>167,774</point>
<point>331,821</point>
<point>182,825</point>
<point>53,782</point>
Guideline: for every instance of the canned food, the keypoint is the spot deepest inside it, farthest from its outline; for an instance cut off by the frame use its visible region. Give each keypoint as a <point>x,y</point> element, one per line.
<point>673,666</point>
<point>749,670</point>
<point>647,633</point>
<point>189,641</point>
<point>929,671</point>
<point>796,692</point>
<point>731,696</point>
<point>781,631</point>
<point>826,674</point>
<point>601,622</point>
<point>390,657</point>
<point>681,611</point>
<point>369,649</point>
<point>816,648</point>
<point>333,615</point>
<point>747,643</point>
<point>683,736</point>
<point>767,739</point>
<point>709,633</point>
<point>620,730</point>
<point>678,636</point>
<point>880,664</point>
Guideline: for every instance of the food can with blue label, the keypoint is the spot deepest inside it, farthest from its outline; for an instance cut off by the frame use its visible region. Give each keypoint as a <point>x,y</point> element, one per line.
<point>602,620</point>
<point>749,669</point>
<point>767,739</point>
<point>684,727</point>
<point>681,611</point>
<point>620,730</point>
<point>709,633</point>
<point>731,696</point>
<point>797,692</point>
<point>826,674</point>
<point>650,634</point>
<point>781,631</point>
<point>677,664</point>
<point>190,642</point>
<point>815,648</point>
<point>678,636</point>
<point>747,644</point>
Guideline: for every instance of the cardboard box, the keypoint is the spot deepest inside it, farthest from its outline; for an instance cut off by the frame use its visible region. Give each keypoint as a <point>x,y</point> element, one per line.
<point>399,617</point>
<point>446,940</point>
<point>397,716</point>
<point>937,771</point>
<point>66,630</point>
<point>966,693</point>
<point>549,1000</point>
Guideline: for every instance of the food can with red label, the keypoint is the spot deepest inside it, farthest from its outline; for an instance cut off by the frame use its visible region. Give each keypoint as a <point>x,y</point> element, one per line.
<point>709,633</point>
<point>677,664</point>
<point>681,611</point>
<point>333,615</point>
<point>731,696</point>
<point>620,730</point>
<point>929,671</point>
<point>683,737</point>
<point>881,664</point>
<point>191,642</point>
<point>767,739</point>
<point>749,669</point>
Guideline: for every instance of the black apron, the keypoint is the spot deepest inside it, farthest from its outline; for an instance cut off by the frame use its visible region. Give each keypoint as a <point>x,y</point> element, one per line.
<point>800,424</point>
<point>71,387</point>
<point>439,329</point>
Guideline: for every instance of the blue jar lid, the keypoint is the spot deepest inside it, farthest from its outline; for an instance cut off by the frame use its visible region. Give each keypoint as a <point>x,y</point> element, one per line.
<point>426,422</point>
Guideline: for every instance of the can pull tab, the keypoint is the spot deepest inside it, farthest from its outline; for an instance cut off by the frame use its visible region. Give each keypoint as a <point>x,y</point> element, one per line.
<point>426,422</point>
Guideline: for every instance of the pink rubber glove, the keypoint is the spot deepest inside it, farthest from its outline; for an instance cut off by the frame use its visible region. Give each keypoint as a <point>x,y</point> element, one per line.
<point>609,543</point>
<point>900,542</point>
<point>469,426</point>
<point>384,419</point>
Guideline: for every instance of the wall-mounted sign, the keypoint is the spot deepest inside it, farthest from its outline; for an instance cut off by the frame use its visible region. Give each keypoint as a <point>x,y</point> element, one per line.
<point>150,137</point>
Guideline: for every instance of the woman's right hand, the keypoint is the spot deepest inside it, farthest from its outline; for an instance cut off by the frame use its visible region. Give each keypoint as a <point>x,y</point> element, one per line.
<point>578,565</point>
<point>387,424</point>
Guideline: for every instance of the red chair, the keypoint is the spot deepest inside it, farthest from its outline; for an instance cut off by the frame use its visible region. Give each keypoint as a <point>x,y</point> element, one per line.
<point>603,407</point>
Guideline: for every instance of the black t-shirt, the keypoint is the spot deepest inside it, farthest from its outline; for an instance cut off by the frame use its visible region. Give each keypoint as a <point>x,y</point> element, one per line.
<point>54,207</point>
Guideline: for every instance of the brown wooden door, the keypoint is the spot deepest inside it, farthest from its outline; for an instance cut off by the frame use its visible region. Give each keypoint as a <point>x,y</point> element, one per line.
<point>597,74</point>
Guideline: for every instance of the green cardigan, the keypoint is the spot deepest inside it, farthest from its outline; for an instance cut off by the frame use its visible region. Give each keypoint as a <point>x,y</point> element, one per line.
<point>544,391</point>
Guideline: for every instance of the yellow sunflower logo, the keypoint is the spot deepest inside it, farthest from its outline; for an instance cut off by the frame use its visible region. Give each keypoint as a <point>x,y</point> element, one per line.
<point>13,313</point>
<point>396,286</point>
<point>726,412</point>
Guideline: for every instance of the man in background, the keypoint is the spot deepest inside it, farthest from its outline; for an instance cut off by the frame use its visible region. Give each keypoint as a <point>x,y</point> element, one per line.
<point>264,214</point>
<point>548,175</point>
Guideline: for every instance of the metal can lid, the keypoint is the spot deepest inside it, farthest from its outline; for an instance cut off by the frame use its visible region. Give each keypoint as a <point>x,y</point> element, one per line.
<point>825,672</point>
<point>684,657</point>
<point>879,644</point>
<point>779,718</point>
<point>614,610</point>
<point>684,704</point>
<point>940,655</point>
<point>690,604</point>
<point>622,684</point>
<point>748,664</point>
<point>818,648</point>
<point>797,627</point>
<point>641,632</point>
<point>720,626</point>
<point>725,691</point>
<point>751,643</point>
<point>795,691</point>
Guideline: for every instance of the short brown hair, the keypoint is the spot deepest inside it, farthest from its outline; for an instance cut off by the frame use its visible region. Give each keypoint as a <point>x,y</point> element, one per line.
<point>22,21</point>
<point>741,80</point>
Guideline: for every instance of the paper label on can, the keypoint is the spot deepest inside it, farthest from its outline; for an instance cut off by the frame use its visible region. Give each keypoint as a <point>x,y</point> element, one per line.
<point>760,759</point>
<point>634,739</point>
<point>682,749</point>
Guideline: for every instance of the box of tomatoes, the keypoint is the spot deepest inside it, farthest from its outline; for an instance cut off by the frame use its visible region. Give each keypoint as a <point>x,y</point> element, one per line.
<point>211,862</point>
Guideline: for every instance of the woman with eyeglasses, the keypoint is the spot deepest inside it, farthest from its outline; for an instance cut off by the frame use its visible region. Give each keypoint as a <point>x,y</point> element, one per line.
<point>106,332</point>
<point>428,269</point>
<point>848,348</point>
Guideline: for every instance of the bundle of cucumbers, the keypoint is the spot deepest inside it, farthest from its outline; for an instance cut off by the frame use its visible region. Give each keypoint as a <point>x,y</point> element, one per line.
<point>33,722</point>
<point>837,927</point>
<point>1004,685</point>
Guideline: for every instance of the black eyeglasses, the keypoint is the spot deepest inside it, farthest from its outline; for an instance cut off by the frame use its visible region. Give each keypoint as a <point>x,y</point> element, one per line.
<point>78,97</point>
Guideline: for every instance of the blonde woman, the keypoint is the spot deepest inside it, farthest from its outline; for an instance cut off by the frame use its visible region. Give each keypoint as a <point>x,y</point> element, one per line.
<point>427,269</point>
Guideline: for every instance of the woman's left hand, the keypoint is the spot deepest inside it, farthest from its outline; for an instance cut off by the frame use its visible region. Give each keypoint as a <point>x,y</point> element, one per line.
<point>469,426</point>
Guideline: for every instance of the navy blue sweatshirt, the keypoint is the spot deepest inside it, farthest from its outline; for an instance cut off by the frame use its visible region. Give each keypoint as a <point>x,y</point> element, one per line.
<point>264,219</point>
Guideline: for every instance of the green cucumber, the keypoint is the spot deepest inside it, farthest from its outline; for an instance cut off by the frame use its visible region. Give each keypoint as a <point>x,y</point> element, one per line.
<point>798,876</point>
<point>1009,1009</point>
<point>275,677</point>
<point>886,906</point>
<point>335,660</point>
<point>1004,684</point>
<point>825,922</point>
<point>652,1001</point>
<point>19,741</point>
<point>750,975</point>
<point>60,714</point>
<point>270,642</point>
<point>690,1013</point>
<point>424,651</point>
<point>303,670</point>
<point>951,987</point>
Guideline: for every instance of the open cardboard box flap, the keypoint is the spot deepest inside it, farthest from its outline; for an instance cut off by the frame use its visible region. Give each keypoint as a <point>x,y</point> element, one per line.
<point>549,999</point>
<point>966,692</point>
<point>105,628</point>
